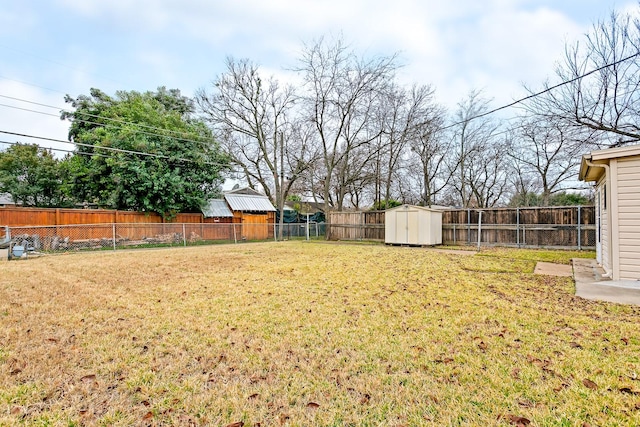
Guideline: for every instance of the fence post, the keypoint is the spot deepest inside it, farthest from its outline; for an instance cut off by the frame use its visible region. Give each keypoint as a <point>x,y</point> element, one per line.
<point>184,235</point>
<point>454,233</point>
<point>307,230</point>
<point>468,226</point>
<point>518,226</point>
<point>479,229</point>
<point>579,234</point>
<point>113,233</point>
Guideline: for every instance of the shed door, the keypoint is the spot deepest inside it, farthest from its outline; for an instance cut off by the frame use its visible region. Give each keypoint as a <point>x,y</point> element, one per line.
<point>401,227</point>
<point>254,226</point>
<point>413,228</point>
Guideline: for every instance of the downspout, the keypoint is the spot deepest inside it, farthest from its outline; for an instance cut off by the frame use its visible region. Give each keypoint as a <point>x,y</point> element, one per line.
<point>607,183</point>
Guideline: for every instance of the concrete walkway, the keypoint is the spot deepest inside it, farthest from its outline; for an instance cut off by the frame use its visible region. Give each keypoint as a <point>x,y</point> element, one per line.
<point>591,285</point>
<point>552,269</point>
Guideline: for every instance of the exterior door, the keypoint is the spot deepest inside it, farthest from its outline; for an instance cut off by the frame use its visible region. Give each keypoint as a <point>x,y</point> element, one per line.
<point>255,227</point>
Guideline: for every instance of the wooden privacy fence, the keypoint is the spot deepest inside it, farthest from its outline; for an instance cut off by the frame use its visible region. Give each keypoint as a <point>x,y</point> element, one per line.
<point>356,225</point>
<point>17,216</point>
<point>561,227</point>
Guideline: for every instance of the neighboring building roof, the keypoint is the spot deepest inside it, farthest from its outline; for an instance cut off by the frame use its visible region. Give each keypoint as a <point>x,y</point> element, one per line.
<point>248,203</point>
<point>590,173</point>
<point>246,191</point>
<point>217,208</point>
<point>6,199</point>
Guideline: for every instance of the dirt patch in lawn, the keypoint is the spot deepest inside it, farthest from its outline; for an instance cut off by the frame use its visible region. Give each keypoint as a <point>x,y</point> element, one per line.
<point>309,334</point>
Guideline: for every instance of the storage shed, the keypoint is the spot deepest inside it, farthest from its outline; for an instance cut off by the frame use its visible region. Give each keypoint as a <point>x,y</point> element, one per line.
<point>413,225</point>
<point>616,174</point>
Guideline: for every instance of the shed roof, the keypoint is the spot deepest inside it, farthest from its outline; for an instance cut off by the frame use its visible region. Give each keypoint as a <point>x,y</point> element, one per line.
<point>245,190</point>
<point>249,203</point>
<point>591,173</point>
<point>414,208</point>
<point>217,208</point>
<point>6,199</point>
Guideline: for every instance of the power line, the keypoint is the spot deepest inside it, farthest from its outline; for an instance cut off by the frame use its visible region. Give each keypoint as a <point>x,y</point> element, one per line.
<point>42,58</point>
<point>549,89</point>
<point>84,153</point>
<point>95,123</point>
<point>29,110</point>
<point>100,117</point>
<point>101,124</point>
<point>112,149</point>
<point>31,84</point>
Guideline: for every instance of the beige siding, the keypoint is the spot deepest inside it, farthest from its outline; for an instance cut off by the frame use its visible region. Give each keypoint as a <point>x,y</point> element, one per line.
<point>604,227</point>
<point>629,217</point>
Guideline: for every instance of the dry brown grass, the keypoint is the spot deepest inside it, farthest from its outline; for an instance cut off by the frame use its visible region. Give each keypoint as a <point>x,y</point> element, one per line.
<point>309,334</point>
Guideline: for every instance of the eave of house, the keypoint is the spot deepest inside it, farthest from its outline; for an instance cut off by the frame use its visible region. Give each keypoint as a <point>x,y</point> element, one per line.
<point>589,171</point>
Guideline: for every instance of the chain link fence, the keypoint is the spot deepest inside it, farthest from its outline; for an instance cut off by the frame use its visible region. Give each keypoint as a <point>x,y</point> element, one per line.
<point>571,227</point>
<point>87,237</point>
<point>564,227</point>
<point>521,235</point>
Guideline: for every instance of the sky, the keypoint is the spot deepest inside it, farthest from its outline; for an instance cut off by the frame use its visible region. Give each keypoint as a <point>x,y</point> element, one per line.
<point>57,47</point>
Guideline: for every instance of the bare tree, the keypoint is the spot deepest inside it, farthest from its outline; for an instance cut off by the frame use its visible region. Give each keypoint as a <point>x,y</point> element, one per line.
<point>546,153</point>
<point>603,94</point>
<point>253,119</point>
<point>474,136</point>
<point>431,147</point>
<point>408,118</point>
<point>341,91</point>
<point>487,172</point>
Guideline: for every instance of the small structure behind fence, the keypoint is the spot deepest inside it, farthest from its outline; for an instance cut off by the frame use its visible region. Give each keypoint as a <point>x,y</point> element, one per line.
<point>571,227</point>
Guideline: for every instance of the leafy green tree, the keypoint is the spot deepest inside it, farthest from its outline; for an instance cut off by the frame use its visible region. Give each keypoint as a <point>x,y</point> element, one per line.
<point>561,198</point>
<point>569,199</point>
<point>32,176</point>
<point>385,204</point>
<point>181,165</point>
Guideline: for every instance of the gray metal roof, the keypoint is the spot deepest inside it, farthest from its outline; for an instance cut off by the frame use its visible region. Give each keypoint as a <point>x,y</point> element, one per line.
<point>217,208</point>
<point>6,199</point>
<point>249,203</point>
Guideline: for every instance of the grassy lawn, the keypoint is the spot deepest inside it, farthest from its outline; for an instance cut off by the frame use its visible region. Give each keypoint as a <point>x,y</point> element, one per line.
<point>303,334</point>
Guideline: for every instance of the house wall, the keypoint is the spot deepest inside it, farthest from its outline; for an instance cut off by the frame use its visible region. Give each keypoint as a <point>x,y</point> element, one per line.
<point>604,224</point>
<point>628,217</point>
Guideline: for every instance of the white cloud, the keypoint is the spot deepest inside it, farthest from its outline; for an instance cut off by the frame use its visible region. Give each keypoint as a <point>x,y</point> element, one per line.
<point>456,46</point>
<point>20,117</point>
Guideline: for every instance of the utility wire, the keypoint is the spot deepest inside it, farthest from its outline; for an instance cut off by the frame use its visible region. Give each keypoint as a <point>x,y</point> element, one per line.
<point>100,117</point>
<point>549,89</point>
<point>42,58</point>
<point>84,153</point>
<point>112,149</point>
<point>477,116</point>
<point>101,124</point>
<point>31,84</point>
<point>117,150</point>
